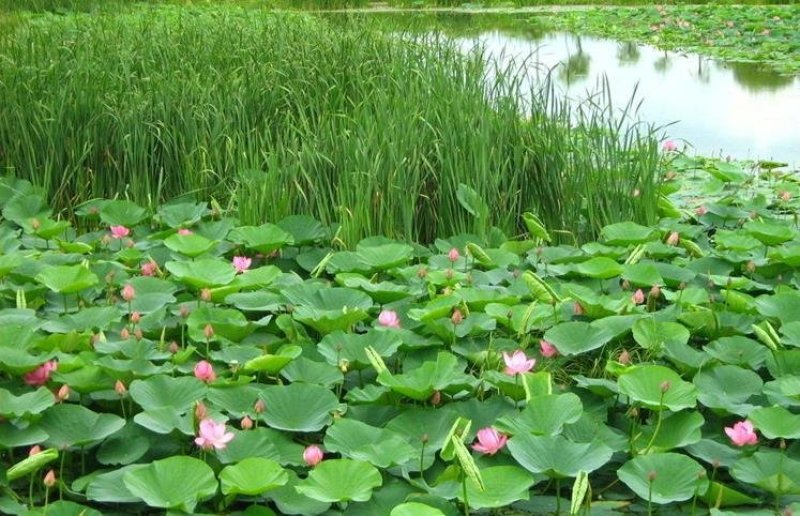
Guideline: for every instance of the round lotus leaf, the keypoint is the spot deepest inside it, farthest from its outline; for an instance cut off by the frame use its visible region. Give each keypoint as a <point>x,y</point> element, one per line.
<point>75,425</point>
<point>575,337</point>
<point>504,485</point>
<point>556,456</point>
<point>341,480</point>
<point>252,476</point>
<point>772,471</point>
<point>664,477</point>
<point>174,483</point>
<point>298,407</point>
<point>657,387</point>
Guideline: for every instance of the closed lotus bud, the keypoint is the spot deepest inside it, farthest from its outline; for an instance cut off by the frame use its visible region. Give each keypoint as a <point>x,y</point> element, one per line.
<point>173,347</point>
<point>135,317</point>
<point>655,292</point>
<point>259,406</point>
<point>436,398</point>
<point>674,238</point>
<point>665,386</point>
<point>624,357</point>
<point>651,476</point>
<point>200,411</point>
<point>34,450</point>
<point>208,331</point>
<point>785,196</point>
<point>638,297</point>
<point>577,309</point>
<point>35,224</point>
<point>49,479</point>
<point>313,455</point>
<point>120,388</point>
<point>246,423</point>
<point>205,295</point>
<point>626,285</point>
<point>124,334</point>
<point>63,393</point>
<point>448,274</point>
<point>128,292</point>
<point>700,211</point>
<point>138,334</point>
<point>422,272</point>
<point>457,317</point>
<point>184,311</point>
<point>751,266</point>
<point>453,255</point>
<point>670,175</point>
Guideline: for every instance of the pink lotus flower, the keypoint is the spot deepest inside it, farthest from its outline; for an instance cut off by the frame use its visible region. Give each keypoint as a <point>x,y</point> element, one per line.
<point>453,255</point>
<point>246,423</point>
<point>63,393</point>
<point>669,146</point>
<point>120,388</point>
<point>41,374</point>
<point>119,231</point>
<point>149,268</point>
<point>241,263</point>
<point>313,455</point>
<point>389,319</point>
<point>638,297</point>
<point>518,362</point>
<point>547,349</point>
<point>49,479</point>
<point>490,441</point>
<point>204,371</point>
<point>184,231</point>
<point>742,433</point>
<point>212,435</point>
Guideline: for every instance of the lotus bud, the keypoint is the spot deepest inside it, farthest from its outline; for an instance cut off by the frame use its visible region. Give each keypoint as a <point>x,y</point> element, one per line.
<point>655,292</point>
<point>448,274</point>
<point>651,476</point>
<point>446,291</point>
<point>624,357</point>
<point>422,272</point>
<point>313,455</point>
<point>577,309</point>
<point>149,268</point>
<point>457,317</point>
<point>670,175</point>
<point>751,266</point>
<point>128,292</point>
<point>173,347</point>
<point>120,388</point>
<point>674,238</point>
<point>638,297</point>
<point>200,411</point>
<point>135,317</point>
<point>35,224</point>
<point>436,398</point>
<point>208,331</point>
<point>246,423</point>
<point>665,386</point>
<point>785,196</point>
<point>124,334</point>
<point>343,365</point>
<point>424,438</point>
<point>626,285</point>
<point>700,211</point>
<point>184,311</point>
<point>259,406</point>
<point>137,334</point>
<point>34,450</point>
<point>63,393</point>
<point>49,479</point>
<point>205,295</point>
<point>453,255</point>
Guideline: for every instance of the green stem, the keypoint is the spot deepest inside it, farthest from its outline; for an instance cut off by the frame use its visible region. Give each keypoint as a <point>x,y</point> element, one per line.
<point>558,496</point>
<point>464,491</point>
<point>649,498</point>
<point>658,424</point>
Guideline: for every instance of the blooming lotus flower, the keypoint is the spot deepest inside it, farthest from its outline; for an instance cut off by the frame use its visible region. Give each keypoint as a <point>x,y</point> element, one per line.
<point>389,319</point>
<point>742,433</point>
<point>313,455</point>
<point>490,441</point>
<point>241,263</point>
<point>204,371</point>
<point>638,297</point>
<point>453,255</point>
<point>518,362</point>
<point>547,349</point>
<point>119,231</point>
<point>669,146</point>
<point>41,374</point>
<point>212,435</point>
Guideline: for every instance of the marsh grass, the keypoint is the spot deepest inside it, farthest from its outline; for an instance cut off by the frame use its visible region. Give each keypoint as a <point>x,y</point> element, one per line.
<point>278,114</point>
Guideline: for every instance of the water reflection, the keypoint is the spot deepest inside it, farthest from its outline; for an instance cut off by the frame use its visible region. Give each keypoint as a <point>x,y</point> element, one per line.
<point>739,109</point>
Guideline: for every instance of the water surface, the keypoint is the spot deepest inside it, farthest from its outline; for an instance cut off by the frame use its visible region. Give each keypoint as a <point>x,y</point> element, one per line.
<point>719,108</point>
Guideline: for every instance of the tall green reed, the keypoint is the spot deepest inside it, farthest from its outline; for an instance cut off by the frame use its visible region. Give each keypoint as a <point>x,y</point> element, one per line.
<point>279,114</point>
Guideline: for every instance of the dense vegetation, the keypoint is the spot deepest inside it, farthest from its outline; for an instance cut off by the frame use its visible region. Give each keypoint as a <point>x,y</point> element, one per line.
<point>285,114</point>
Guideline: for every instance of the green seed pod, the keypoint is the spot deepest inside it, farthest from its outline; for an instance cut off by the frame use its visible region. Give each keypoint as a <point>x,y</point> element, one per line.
<point>479,254</point>
<point>535,226</point>
<point>540,290</point>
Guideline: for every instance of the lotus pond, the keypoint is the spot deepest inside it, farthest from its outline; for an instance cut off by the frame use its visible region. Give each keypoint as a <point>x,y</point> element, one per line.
<point>177,360</point>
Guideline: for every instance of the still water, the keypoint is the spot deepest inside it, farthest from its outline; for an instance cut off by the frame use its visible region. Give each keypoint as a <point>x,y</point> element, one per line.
<point>718,108</point>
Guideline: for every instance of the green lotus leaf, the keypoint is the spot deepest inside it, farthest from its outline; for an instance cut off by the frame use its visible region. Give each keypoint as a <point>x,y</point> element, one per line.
<point>776,422</point>
<point>305,230</point>
<point>738,350</point>
<point>420,383</point>
<point>74,425</point>
<point>122,213</point>
<point>655,335</point>
<point>769,233</point>
<point>12,437</point>
<point>720,495</point>
<point>599,267</point>
<point>298,407</point>
<point>204,273</point>
<point>415,509</point>
<point>67,279</point>
<point>556,456</point>
<point>770,470</point>
<point>273,363</point>
<point>192,245</point>
<point>182,213</point>
<point>162,391</point>
<point>109,487</point>
<point>544,415</point>
<point>643,275</point>
<point>628,233</point>
<point>64,508</point>
<point>258,301</point>
<point>504,485</point>
<point>252,476</point>
<point>575,337</point>
<point>26,404</point>
<point>676,431</point>
<point>382,292</point>
<point>23,209</point>
<point>331,309</point>
<point>172,483</point>
<point>351,347</point>
<point>227,323</point>
<point>728,387</point>
<point>290,501</point>
<point>341,480</point>
<point>657,387</point>
<point>258,442</point>
<point>305,370</point>
<point>664,477</point>
<point>783,306</point>
<point>125,446</point>
<point>380,447</point>
<point>263,239</point>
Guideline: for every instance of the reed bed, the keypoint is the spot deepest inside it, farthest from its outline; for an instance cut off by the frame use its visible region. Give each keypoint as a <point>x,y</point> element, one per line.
<point>278,114</point>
